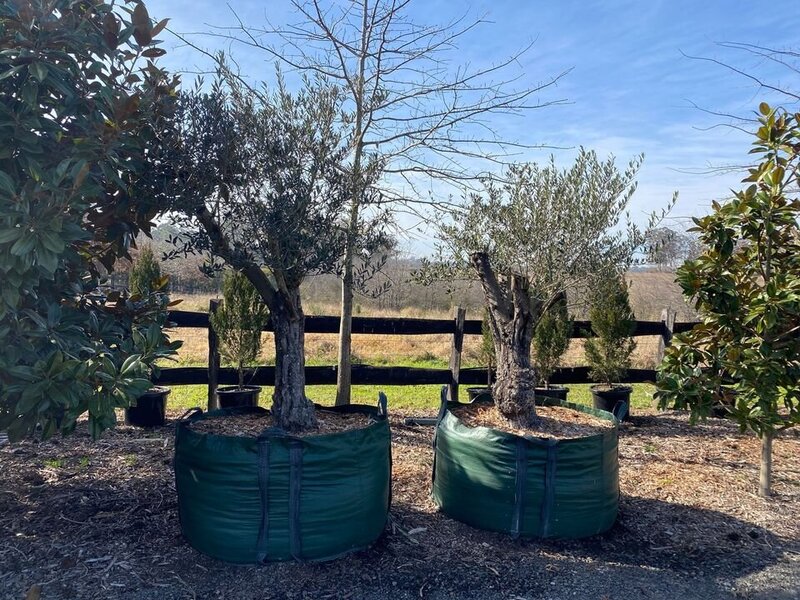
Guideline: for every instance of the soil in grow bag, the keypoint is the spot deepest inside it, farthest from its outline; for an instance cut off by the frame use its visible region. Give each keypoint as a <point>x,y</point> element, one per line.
<point>276,496</point>
<point>527,486</point>
<point>150,409</point>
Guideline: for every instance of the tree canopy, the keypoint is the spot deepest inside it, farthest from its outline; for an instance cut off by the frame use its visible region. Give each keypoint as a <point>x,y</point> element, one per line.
<point>529,238</point>
<point>560,228</point>
<point>256,180</point>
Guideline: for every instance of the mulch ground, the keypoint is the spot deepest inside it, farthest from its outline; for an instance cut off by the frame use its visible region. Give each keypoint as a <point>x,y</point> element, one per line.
<point>84,519</point>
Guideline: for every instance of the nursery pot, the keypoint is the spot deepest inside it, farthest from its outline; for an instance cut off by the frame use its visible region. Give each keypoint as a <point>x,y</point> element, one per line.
<point>150,408</point>
<point>479,393</point>
<point>233,396</point>
<point>484,393</point>
<point>277,497</point>
<point>526,486</point>
<point>616,400</point>
<point>554,391</point>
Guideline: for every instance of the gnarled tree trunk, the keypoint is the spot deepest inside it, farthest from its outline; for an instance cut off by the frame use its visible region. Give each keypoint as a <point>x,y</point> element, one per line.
<point>511,320</point>
<point>290,407</point>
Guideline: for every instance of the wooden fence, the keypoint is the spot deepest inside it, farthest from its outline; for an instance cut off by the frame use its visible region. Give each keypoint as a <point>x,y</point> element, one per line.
<point>458,327</point>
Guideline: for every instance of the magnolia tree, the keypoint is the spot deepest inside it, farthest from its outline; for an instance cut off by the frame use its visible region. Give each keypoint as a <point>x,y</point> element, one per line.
<point>746,287</point>
<point>545,230</point>
<point>256,179</point>
<point>81,104</point>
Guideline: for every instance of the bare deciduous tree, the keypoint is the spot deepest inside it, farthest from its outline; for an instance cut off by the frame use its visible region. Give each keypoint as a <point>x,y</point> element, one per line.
<point>667,248</point>
<point>416,118</point>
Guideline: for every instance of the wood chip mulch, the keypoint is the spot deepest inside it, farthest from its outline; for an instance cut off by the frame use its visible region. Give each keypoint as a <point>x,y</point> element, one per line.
<point>98,519</point>
<point>252,425</point>
<point>551,421</point>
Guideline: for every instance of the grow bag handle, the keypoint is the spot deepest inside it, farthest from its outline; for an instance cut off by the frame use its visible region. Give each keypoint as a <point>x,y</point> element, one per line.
<point>620,409</point>
<point>383,404</point>
<point>442,405</point>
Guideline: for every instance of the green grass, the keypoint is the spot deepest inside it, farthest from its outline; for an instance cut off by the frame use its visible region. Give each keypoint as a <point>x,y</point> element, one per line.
<point>401,397</point>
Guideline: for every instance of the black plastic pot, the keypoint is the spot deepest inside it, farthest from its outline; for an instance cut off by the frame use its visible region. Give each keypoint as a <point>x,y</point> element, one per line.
<point>478,392</point>
<point>149,410</point>
<point>485,393</point>
<point>616,400</point>
<point>554,391</point>
<point>233,396</point>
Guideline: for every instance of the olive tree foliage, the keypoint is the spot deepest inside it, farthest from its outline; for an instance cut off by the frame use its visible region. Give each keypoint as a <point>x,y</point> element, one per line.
<point>239,321</point>
<point>418,114</point>
<point>81,102</point>
<point>541,231</point>
<point>746,288</point>
<point>255,180</point>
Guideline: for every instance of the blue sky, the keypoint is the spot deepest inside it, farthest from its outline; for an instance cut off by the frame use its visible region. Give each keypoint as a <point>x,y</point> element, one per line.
<point>630,89</point>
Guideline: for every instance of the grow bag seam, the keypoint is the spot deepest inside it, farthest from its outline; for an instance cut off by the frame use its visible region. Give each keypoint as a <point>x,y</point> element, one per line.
<point>549,486</point>
<point>263,484</point>
<point>519,496</point>
<point>295,478</point>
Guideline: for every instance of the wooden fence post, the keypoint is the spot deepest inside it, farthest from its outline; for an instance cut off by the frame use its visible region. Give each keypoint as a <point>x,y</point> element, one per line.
<point>668,319</point>
<point>213,359</point>
<point>455,353</point>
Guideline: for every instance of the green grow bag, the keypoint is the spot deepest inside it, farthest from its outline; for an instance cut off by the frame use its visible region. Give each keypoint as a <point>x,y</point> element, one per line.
<point>280,497</point>
<point>527,486</point>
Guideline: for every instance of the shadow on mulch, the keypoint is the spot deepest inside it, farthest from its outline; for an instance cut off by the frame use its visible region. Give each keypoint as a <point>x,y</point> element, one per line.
<point>681,538</point>
<point>676,423</point>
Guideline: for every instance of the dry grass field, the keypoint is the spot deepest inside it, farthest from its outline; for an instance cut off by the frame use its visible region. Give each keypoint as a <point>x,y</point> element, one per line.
<point>651,292</point>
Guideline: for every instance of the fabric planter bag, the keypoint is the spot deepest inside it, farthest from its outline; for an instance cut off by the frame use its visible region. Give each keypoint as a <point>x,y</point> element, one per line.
<point>527,486</point>
<point>282,497</point>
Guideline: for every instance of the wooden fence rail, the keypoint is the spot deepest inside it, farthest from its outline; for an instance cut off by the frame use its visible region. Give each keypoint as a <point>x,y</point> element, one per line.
<point>453,376</point>
<point>403,326</point>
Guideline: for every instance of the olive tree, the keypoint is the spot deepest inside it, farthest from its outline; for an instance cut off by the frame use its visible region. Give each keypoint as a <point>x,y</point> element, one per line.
<point>543,230</point>
<point>255,180</point>
<point>746,287</point>
<point>81,103</point>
